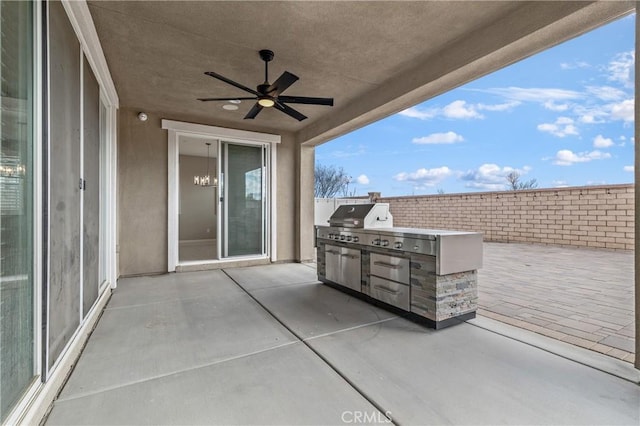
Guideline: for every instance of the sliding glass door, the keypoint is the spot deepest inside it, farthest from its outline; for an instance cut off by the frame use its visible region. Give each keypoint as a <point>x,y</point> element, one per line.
<point>244,199</point>
<point>17,331</point>
<point>220,194</point>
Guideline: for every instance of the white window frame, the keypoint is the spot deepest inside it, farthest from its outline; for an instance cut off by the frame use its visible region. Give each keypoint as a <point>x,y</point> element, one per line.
<point>177,129</point>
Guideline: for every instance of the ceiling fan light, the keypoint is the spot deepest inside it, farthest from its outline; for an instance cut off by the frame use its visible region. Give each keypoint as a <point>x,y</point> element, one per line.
<point>266,102</point>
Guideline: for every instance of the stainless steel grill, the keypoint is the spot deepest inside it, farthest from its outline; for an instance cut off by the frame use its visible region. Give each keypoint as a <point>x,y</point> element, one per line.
<point>362,251</point>
<point>362,216</point>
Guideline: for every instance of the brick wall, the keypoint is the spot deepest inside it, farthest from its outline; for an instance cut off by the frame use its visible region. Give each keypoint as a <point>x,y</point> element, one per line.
<point>594,216</point>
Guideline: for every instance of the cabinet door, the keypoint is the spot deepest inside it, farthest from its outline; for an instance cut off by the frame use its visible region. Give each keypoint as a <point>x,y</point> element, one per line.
<point>332,263</point>
<point>350,268</point>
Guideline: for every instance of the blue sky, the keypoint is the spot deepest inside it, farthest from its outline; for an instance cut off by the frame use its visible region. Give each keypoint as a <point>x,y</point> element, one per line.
<point>563,117</point>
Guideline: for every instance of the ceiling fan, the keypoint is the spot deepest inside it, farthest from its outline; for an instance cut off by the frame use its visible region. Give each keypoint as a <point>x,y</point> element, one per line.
<point>269,95</point>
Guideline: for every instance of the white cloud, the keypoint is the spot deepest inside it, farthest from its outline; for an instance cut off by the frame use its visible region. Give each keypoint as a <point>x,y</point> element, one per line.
<point>490,176</point>
<point>591,115</point>
<point>602,142</point>
<point>414,112</point>
<point>566,157</point>
<point>461,109</point>
<point>562,127</point>
<point>458,109</point>
<point>573,65</point>
<point>439,138</point>
<point>621,68</point>
<point>629,169</point>
<point>424,177</point>
<point>534,94</point>
<point>363,180</point>
<point>499,107</point>
<point>551,105</point>
<point>606,93</point>
<point>623,110</point>
<point>560,183</point>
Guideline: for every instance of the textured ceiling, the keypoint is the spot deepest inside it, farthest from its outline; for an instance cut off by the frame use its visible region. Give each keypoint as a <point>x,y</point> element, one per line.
<point>355,52</point>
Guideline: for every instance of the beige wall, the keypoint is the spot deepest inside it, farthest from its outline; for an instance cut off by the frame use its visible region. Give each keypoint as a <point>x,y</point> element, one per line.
<point>197,203</point>
<point>286,199</point>
<point>305,156</point>
<point>598,217</point>
<point>142,194</point>
<point>142,190</point>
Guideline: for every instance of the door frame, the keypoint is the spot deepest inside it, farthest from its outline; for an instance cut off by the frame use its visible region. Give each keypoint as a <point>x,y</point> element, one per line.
<point>178,128</point>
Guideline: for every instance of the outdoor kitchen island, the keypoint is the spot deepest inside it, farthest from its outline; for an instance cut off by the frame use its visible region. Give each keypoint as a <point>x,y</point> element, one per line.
<point>429,275</point>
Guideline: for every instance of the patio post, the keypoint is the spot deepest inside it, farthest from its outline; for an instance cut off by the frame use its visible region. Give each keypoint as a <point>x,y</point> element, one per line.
<point>305,203</point>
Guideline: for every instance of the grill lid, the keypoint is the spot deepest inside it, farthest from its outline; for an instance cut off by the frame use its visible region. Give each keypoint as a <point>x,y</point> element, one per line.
<point>362,216</point>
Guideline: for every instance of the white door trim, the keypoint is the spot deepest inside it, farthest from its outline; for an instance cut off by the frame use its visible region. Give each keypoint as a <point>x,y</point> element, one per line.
<point>177,129</point>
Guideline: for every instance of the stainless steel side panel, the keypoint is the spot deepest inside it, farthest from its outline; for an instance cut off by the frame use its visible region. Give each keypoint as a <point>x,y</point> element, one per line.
<point>390,267</point>
<point>390,292</point>
<point>459,253</point>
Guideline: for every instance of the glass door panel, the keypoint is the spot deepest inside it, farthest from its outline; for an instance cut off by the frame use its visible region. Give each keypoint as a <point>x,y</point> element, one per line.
<point>91,189</point>
<point>197,194</point>
<point>244,200</point>
<point>65,275</point>
<point>17,350</point>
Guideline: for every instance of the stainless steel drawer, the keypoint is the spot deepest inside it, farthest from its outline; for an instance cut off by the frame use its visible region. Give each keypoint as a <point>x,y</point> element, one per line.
<point>390,267</point>
<point>390,292</point>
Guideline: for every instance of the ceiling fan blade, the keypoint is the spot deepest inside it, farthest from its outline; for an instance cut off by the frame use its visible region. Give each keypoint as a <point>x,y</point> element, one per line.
<point>306,100</point>
<point>231,82</point>
<point>225,99</point>
<point>253,111</point>
<point>282,83</point>
<point>289,111</point>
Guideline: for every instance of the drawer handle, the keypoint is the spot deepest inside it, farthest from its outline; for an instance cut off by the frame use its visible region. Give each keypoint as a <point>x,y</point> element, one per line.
<point>350,256</point>
<point>333,252</point>
<point>387,265</point>
<point>387,290</point>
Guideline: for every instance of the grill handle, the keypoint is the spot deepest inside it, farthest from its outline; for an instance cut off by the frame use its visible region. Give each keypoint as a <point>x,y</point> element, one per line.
<point>332,251</point>
<point>387,290</point>
<point>387,265</point>
<point>350,256</point>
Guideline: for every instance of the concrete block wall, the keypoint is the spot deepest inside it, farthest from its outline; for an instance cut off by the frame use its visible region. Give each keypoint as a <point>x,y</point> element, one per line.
<point>594,216</point>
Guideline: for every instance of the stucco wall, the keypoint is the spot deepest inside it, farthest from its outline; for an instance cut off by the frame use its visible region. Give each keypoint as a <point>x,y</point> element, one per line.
<point>142,190</point>
<point>142,194</point>
<point>597,216</point>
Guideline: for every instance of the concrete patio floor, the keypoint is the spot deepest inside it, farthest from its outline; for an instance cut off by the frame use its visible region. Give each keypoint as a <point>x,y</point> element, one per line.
<point>271,345</point>
<point>580,296</point>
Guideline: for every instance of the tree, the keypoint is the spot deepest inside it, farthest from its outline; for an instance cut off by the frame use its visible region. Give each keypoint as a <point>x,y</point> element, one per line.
<point>514,182</point>
<point>330,181</point>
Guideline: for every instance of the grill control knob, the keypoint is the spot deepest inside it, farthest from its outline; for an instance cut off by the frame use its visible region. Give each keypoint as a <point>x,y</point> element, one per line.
<point>385,243</point>
<point>397,245</point>
<point>342,237</point>
<point>376,242</point>
<point>356,239</point>
<point>349,238</point>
